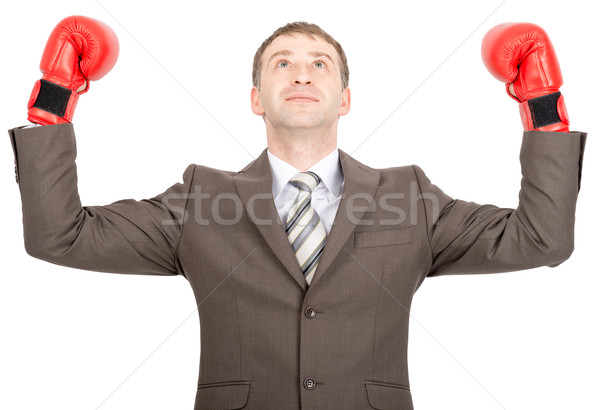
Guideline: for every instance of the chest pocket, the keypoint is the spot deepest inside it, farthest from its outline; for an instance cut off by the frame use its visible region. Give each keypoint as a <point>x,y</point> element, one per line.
<point>383,237</point>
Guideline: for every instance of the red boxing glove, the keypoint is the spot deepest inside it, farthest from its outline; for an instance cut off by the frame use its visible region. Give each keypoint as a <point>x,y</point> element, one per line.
<point>79,49</point>
<point>522,56</point>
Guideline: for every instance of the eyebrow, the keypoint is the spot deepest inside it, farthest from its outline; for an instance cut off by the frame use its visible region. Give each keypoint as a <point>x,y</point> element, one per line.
<point>290,53</point>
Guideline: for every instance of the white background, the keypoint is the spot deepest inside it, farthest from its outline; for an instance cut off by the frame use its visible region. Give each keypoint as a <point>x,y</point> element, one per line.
<point>72,339</point>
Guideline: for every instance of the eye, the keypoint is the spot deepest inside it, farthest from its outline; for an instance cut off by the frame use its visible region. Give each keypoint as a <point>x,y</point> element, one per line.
<point>319,64</point>
<point>282,64</point>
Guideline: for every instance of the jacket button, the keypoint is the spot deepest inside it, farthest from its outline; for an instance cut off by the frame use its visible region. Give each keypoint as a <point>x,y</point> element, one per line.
<point>309,383</point>
<point>310,312</point>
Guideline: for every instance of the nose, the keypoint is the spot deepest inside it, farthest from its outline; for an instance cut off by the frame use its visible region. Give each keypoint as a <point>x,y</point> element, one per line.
<point>302,81</point>
<point>302,77</point>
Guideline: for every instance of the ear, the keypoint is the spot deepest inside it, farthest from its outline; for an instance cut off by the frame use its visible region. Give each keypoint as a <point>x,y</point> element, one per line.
<point>255,101</point>
<point>344,102</point>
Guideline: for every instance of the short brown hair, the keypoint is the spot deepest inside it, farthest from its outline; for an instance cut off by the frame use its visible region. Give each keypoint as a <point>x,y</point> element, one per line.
<point>310,30</point>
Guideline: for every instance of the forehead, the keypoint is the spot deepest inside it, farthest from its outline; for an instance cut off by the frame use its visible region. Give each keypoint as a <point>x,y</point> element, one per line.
<point>298,44</point>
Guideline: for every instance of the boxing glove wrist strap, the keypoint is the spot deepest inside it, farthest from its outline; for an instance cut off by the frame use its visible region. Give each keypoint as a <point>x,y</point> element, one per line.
<point>51,103</point>
<point>543,111</point>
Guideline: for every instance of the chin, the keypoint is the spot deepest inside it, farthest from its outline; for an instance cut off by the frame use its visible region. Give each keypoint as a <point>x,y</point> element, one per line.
<point>304,120</point>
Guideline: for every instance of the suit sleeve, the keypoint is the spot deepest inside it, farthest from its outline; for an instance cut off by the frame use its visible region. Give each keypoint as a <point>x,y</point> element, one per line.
<point>128,236</point>
<point>466,237</point>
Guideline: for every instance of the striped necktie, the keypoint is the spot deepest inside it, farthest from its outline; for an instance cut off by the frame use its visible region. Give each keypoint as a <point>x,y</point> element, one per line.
<point>304,228</point>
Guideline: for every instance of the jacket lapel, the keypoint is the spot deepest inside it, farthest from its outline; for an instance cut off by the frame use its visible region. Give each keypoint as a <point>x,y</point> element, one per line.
<point>254,186</point>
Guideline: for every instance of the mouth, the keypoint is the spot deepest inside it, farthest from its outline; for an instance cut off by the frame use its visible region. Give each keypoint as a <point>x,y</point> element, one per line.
<point>301,98</point>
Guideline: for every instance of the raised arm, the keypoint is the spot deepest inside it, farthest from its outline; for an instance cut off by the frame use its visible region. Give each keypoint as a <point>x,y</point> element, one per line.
<point>467,237</point>
<point>127,236</point>
<point>473,238</point>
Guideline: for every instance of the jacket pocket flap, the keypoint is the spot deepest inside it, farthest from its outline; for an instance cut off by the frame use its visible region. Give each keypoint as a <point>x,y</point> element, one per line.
<point>224,395</point>
<point>383,395</point>
<point>363,239</point>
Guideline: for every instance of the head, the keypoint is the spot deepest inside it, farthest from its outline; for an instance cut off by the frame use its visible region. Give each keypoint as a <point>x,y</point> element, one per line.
<point>300,78</point>
<point>310,31</point>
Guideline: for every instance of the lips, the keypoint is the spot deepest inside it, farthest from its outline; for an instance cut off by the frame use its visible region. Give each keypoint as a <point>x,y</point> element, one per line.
<point>301,98</point>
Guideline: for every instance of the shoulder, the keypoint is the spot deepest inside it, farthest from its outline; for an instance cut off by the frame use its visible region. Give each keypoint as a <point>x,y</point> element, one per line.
<point>203,174</point>
<point>406,171</point>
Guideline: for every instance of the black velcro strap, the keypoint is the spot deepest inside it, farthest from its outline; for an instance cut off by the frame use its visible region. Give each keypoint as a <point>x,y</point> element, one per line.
<point>543,110</point>
<point>53,98</point>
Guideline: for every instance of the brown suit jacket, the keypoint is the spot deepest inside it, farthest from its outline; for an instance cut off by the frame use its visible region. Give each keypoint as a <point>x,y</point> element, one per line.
<point>267,340</point>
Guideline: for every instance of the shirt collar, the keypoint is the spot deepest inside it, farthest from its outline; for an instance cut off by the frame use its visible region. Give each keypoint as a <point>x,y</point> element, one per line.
<point>327,168</point>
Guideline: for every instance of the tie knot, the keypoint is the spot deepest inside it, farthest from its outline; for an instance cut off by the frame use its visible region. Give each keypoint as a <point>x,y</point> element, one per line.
<point>305,181</point>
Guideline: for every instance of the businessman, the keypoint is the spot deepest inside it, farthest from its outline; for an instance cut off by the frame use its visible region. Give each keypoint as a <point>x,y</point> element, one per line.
<point>304,263</point>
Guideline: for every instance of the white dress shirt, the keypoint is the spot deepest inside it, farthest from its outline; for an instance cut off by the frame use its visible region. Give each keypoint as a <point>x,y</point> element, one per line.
<point>325,197</point>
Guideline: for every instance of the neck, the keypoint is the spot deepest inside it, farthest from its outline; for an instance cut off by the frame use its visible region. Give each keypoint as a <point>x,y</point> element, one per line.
<point>301,148</point>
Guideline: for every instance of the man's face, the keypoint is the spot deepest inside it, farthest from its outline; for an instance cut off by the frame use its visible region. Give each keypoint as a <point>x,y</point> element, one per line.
<point>300,86</point>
